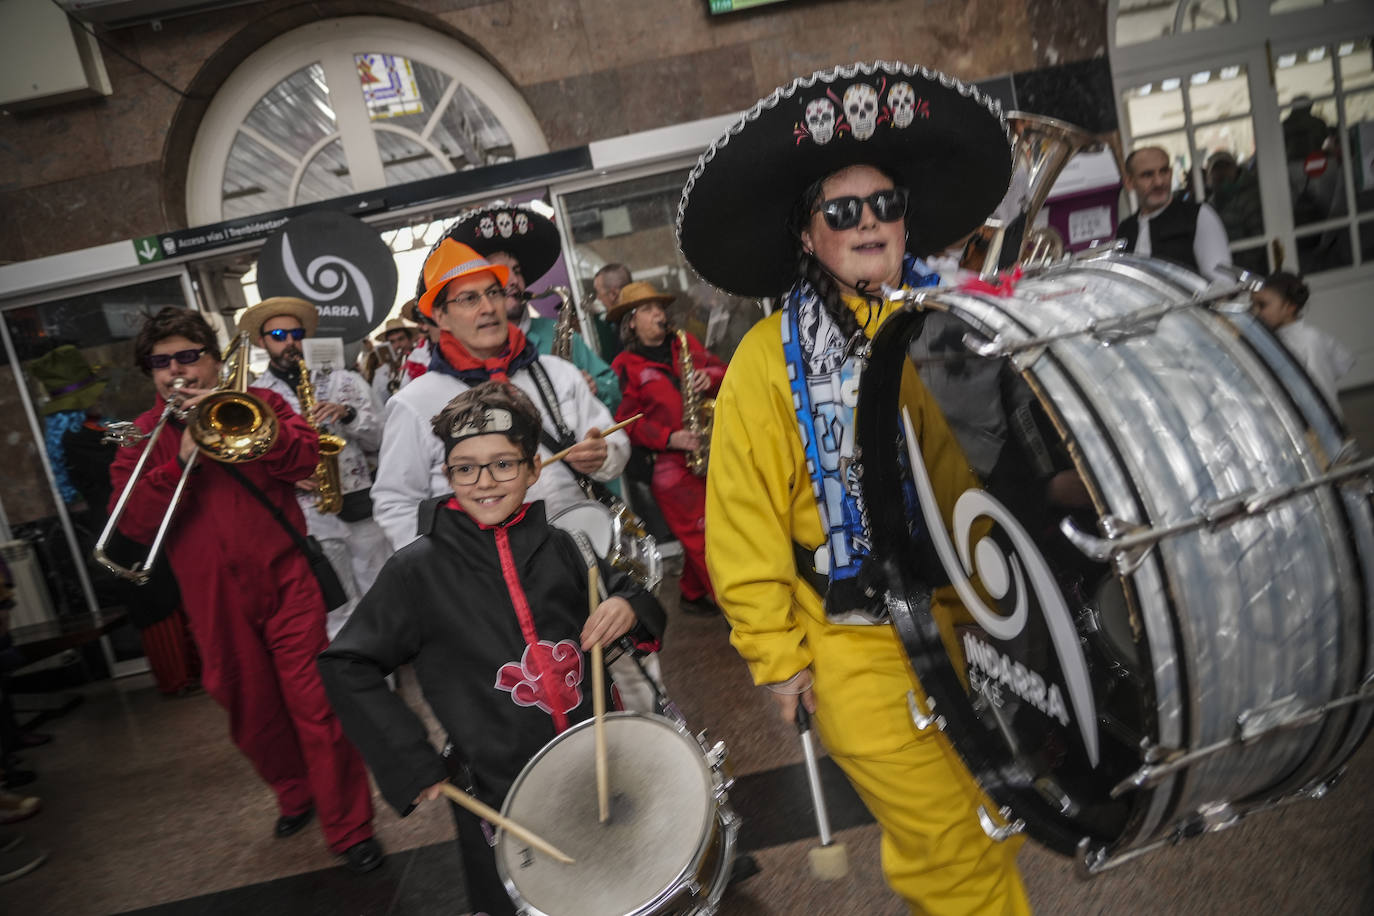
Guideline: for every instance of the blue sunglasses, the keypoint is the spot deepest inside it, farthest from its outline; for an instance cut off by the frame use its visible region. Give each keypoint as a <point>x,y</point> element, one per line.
<point>280,334</point>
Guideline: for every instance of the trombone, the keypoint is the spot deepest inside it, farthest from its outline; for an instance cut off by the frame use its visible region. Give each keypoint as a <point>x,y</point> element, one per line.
<point>228,425</point>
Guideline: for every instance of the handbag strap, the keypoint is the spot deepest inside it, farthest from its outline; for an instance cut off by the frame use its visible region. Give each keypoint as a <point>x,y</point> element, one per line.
<point>261,497</point>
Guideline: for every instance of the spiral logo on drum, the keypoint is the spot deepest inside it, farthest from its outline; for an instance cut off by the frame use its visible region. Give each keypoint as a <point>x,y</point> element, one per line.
<point>1002,575</point>
<point>326,278</point>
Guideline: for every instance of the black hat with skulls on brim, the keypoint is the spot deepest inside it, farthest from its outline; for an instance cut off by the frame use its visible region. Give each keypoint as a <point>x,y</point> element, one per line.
<point>943,140</point>
<point>517,229</point>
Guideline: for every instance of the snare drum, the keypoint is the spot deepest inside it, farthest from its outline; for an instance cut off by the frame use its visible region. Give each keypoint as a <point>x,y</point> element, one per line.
<point>1192,646</point>
<point>669,844</point>
<point>617,537</point>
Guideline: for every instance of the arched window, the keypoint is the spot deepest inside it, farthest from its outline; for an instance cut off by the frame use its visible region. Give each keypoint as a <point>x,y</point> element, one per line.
<point>349,105</point>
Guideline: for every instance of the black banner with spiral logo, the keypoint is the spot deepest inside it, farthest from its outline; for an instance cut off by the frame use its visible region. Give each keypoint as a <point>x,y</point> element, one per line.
<point>338,263</point>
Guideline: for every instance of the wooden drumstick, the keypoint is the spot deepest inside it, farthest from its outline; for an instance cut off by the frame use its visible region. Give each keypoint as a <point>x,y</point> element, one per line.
<point>559,456</point>
<point>603,781</point>
<point>464,800</point>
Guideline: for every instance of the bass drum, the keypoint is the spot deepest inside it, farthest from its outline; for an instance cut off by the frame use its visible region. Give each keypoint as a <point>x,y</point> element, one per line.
<point>1104,676</point>
<point>667,848</point>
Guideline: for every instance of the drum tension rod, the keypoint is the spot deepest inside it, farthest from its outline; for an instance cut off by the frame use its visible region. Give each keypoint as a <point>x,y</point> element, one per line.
<point>1094,859</point>
<point>1283,714</point>
<point>1126,544</point>
<point>1107,330</point>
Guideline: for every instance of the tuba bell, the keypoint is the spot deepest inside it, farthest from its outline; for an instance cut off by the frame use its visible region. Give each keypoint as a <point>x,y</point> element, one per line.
<point>1042,148</point>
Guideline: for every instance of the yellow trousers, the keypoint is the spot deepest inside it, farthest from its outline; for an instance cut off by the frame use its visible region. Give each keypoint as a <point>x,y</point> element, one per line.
<point>934,853</point>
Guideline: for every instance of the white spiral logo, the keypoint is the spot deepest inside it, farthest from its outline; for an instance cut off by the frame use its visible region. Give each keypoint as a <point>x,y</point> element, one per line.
<point>999,573</point>
<point>329,272</point>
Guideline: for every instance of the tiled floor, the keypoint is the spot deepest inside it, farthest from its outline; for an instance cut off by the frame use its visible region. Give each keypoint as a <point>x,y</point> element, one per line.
<point>149,808</point>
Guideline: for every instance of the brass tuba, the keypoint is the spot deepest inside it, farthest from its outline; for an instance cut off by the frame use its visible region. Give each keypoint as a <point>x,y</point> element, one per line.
<point>229,425</point>
<point>697,412</point>
<point>330,491</point>
<point>1043,147</point>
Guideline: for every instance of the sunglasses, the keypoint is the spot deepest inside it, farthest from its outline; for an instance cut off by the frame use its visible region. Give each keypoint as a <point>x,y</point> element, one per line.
<point>163,360</point>
<point>280,334</point>
<point>845,212</point>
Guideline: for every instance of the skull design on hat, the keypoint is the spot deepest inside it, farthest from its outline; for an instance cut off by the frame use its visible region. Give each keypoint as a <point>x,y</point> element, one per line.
<point>522,222</point>
<point>861,110</point>
<point>487,227</point>
<point>504,224</point>
<point>820,120</point>
<point>901,99</point>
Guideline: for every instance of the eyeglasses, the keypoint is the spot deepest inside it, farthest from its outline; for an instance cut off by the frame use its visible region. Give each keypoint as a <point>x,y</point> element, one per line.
<point>280,334</point>
<point>163,360</point>
<point>502,470</point>
<point>495,294</point>
<point>845,212</point>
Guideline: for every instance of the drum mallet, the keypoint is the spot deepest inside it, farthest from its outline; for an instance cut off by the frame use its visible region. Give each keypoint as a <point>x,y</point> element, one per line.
<point>829,861</point>
<point>559,456</point>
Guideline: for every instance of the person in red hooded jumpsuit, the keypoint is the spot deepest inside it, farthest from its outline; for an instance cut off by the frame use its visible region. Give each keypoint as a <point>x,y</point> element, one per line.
<point>649,371</point>
<point>255,608</point>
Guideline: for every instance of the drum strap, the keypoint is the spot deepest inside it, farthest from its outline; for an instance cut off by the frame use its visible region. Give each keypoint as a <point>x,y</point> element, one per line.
<point>565,438</point>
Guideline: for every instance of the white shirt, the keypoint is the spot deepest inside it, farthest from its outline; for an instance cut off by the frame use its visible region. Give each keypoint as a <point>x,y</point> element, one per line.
<point>1324,357</point>
<point>411,465</point>
<point>1210,246</point>
<point>364,435</point>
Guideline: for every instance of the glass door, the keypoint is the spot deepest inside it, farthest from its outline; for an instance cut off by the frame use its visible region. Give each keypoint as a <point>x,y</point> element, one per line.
<point>67,367</point>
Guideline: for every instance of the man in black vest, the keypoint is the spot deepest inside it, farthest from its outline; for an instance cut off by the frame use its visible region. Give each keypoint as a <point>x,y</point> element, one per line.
<point>1170,227</point>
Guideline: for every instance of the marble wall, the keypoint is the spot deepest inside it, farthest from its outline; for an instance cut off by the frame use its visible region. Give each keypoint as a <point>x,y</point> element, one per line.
<point>94,172</point>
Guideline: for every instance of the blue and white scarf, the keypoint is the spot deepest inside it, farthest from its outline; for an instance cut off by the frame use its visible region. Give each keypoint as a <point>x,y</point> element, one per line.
<point>823,372</point>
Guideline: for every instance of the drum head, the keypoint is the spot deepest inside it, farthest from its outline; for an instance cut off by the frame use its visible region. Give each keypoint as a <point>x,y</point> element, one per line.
<point>592,519</point>
<point>662,819</point>
<point>1037,670</point>
<point>1056,674</point>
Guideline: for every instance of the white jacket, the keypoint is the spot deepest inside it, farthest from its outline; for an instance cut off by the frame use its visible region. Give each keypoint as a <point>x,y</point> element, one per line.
<point>410,468</point>
<point>1324,357</point>
<point>363,436</point>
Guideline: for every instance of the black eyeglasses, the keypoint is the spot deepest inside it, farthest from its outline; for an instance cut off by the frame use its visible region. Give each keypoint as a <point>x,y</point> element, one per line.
<point>468,301</point>
<point>502,470</point>
<point>845,212</point>
<point>163,360</point>
<point>280,334</point>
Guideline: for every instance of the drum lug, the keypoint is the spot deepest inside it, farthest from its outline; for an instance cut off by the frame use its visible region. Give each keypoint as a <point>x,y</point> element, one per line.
<point>919,717</point>
<point>1000,833</point>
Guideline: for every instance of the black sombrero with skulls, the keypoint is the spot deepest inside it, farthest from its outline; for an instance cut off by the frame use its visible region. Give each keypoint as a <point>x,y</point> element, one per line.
<point>529,237</point>
<point>942,139</point>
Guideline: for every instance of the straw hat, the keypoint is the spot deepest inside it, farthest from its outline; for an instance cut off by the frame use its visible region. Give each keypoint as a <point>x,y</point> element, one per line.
<point>396,324</point>
<point>252,319</point>
<point>632,296</point>
<point>943,140</point>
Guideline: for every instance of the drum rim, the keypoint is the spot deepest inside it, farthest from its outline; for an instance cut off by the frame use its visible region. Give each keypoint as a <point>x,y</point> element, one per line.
<point>711,829</point>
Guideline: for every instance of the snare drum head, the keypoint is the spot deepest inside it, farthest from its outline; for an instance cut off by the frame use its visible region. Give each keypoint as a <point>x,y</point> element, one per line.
<point>662,819</point>
<point>592,519</point>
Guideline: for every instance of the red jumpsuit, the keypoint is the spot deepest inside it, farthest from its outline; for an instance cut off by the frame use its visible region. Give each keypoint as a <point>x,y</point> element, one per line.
<point>256,613</point>
<point>651,388</point>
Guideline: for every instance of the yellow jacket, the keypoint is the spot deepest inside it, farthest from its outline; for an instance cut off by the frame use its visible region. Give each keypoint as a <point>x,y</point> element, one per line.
<point>759,500</point>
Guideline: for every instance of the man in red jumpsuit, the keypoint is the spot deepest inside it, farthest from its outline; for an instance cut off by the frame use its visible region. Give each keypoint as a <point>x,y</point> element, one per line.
<point>254,605</point>
<point>649,371</point>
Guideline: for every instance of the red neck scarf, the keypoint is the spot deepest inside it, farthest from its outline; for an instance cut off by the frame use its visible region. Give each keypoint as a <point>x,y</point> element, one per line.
<point>497,367</point>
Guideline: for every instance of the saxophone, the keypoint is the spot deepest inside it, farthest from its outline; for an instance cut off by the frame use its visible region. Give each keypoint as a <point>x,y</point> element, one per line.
<point>327,471</point>
<point>566,325</point>
<point>697,412</point>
